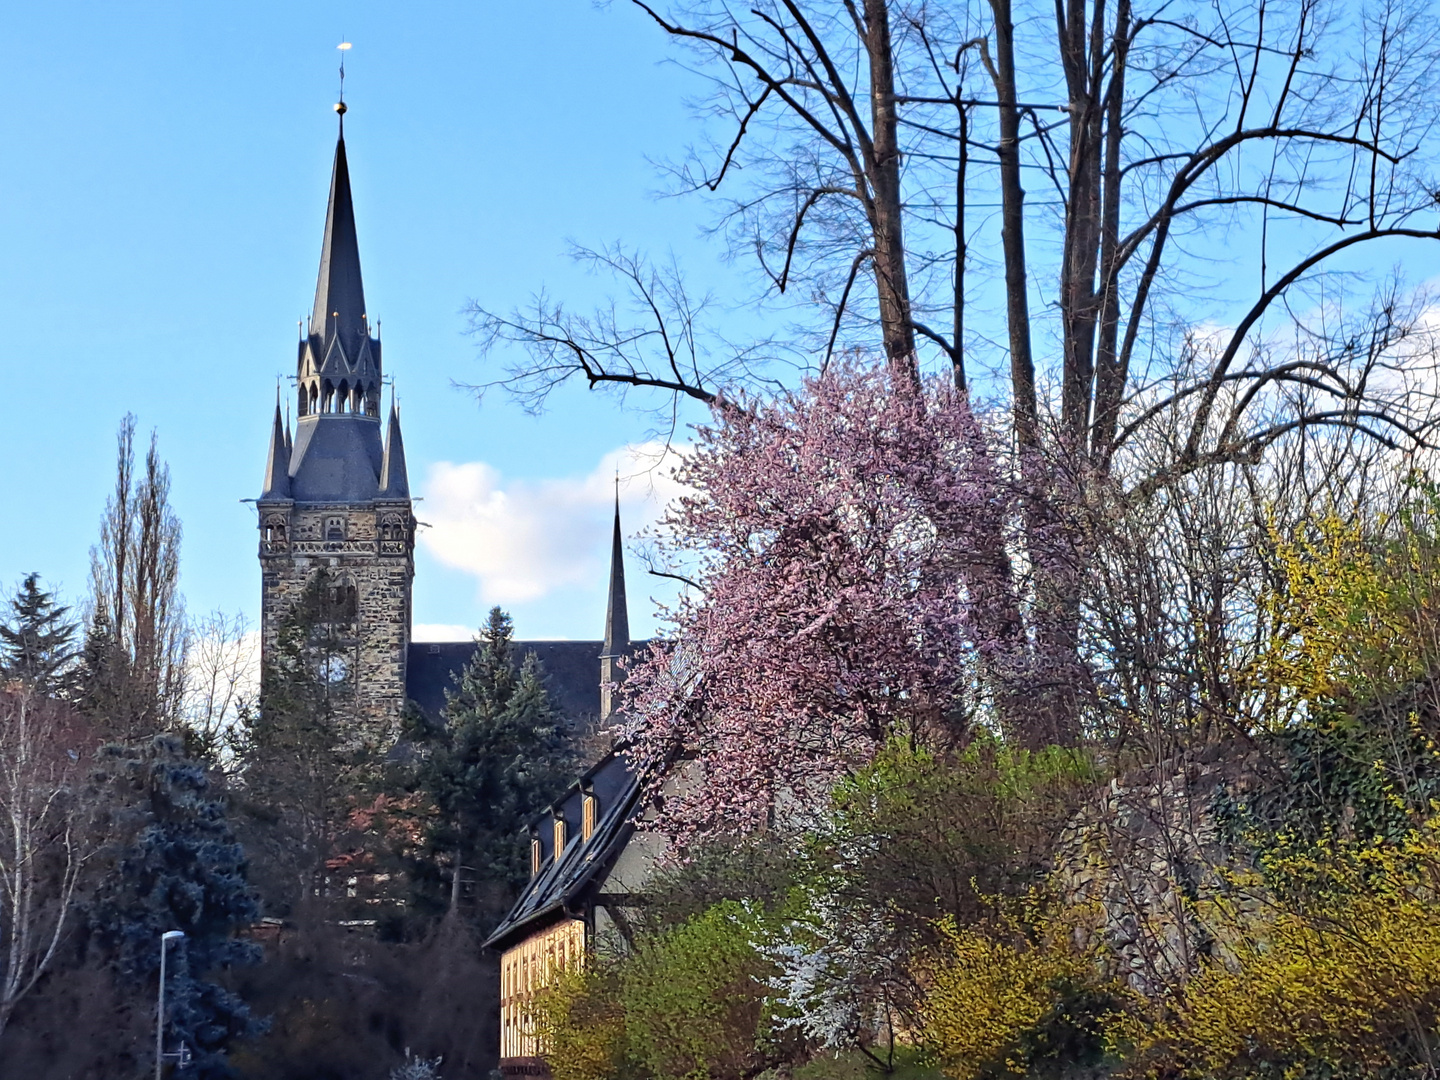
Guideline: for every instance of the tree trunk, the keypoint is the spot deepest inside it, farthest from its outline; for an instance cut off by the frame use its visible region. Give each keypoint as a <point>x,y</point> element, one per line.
<point>957,354</point>
<point>1078,299</point>
<point>1110,376</point>
<point>885,211</point>
<point>1012,229</point>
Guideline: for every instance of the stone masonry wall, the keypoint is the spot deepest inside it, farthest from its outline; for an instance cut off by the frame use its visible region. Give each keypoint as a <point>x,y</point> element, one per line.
<point>374,551</point>
<point>1151,852</point>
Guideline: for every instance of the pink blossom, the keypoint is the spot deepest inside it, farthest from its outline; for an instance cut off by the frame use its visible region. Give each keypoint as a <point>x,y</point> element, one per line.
<point>854,582</point>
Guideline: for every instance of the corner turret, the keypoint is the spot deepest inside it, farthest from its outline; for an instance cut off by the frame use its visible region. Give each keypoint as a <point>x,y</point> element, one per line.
<point>277,464</point>
<point>394,480</point>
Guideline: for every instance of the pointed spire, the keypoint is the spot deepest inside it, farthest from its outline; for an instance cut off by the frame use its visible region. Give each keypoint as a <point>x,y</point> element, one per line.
<point>277,466</point>
<point>394,481</point>
<point>339,293</point>
<point>617,618</point>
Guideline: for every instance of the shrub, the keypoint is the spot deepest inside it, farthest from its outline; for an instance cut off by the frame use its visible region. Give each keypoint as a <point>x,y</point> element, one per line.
<point>1341,975</point>
<point>1016,996</point>
<point>689,1002</point>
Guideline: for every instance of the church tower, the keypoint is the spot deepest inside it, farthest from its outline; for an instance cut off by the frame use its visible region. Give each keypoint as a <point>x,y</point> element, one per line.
<point>335,509</point>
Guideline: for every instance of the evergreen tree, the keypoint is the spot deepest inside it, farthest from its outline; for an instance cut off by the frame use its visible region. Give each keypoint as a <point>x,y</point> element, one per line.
<point>175,865</point>
<point>37,641</point>
<point>302,761</point>
<point>499,758</point>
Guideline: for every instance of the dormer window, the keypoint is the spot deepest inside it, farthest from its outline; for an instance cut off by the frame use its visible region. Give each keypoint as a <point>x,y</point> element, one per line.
<point>536,854</point>
<point>589,810</point>
<point>559,837</point>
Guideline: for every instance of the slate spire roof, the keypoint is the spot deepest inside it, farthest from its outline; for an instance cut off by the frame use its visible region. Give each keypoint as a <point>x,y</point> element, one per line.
<point>337,453</point>
<point>394,480</point>
<point>617,617</point>
<point>339,293</point>
<point>277,465</point>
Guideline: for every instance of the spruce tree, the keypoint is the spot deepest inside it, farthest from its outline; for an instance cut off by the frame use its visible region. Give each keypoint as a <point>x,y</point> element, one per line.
<point>37,642</point>
<point>174,863</point>
<point>499,758</point>
<point>302,762</point>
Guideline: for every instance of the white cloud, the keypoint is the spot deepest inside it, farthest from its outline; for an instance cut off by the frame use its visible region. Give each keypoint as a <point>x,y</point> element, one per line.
<point>430,631</point>
<point>524,539</point>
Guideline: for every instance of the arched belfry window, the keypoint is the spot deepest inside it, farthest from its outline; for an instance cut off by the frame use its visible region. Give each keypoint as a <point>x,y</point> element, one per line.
<point>334,529</point>
<point>392,527</point>
<point>339,599</point>
<point>275,532</point>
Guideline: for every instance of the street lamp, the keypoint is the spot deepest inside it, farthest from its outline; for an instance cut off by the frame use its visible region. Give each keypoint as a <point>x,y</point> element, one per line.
<point>165,939</point>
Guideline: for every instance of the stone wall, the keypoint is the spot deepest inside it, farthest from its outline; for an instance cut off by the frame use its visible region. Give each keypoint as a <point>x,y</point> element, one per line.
<point>367,545</point>
<point>1152,853</point>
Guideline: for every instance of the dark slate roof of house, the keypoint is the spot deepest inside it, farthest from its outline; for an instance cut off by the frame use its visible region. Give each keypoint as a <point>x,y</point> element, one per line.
<point>564,885</point>
<point>572,670</point>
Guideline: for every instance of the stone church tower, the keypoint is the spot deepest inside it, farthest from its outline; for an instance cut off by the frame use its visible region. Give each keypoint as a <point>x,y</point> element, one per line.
<point>336,502</point>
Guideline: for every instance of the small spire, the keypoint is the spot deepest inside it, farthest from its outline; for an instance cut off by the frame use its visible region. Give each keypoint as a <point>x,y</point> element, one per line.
<point>277,465</point>
<point>617,618</point>
<point>394,480</point>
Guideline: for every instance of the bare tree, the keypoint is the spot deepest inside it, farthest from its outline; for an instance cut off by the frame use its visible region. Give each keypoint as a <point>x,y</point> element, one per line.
<point>221,685</point>
<point>44,749</point>
<point>1216,182</point>
<point>137,639</point>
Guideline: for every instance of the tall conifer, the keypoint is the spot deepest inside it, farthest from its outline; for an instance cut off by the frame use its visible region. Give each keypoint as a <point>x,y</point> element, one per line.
<point>37,642</point>
<point>500,757</point>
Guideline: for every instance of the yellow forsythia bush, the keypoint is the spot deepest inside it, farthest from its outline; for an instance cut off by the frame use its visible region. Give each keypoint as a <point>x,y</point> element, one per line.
<point>1002,998</point>
<point>1347,615</point>
<point>1343,976</point>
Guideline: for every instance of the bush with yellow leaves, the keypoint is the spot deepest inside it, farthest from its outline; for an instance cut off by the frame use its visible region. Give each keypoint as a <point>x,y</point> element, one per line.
<point>687,1003</point>
<point>1016,996</point>
<point>1338,975</point>
<point>1353,612</point>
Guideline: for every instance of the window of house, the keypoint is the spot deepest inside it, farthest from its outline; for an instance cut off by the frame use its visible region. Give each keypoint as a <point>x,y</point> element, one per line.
<point>587,815</point>
<point>535,854</point>
<point>559,837</point>
<point>335,528</point>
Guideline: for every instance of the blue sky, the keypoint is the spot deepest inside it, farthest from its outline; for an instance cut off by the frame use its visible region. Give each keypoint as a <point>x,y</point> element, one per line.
<point>162,189</point>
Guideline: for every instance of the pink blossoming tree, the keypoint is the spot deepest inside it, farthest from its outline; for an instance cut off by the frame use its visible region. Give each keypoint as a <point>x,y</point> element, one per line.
<point>853,581</point>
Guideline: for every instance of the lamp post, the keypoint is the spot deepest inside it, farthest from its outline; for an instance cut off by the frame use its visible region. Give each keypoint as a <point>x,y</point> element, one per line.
<point>165,939</point>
